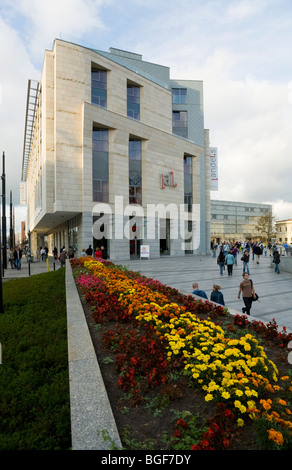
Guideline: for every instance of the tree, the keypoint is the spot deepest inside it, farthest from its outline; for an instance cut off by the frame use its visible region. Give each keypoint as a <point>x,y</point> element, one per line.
<point>266,225</point>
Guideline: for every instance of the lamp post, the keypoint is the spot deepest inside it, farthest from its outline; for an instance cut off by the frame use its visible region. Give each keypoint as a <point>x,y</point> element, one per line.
<point>4,241</point>
<point>1,290</point>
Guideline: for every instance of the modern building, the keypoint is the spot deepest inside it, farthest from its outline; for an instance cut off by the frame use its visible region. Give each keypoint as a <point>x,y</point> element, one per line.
<point>284,231</point>
<point>237,221</point>
<point>115,154</point>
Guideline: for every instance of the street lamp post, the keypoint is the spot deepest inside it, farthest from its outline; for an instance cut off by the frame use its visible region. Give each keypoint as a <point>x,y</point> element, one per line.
<point>4,241</point>
<point>1,290</point>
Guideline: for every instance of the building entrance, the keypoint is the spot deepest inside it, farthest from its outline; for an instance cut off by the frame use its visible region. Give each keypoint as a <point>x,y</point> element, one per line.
<point>135,248</point>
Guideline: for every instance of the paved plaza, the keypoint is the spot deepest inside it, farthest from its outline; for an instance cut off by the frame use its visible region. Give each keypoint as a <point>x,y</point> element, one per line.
<point>274,290</point>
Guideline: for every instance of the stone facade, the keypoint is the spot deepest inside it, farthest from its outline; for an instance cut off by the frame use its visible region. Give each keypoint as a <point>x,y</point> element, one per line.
<point>284,231</point>
<point>60,170</point>
<point>236,221</point>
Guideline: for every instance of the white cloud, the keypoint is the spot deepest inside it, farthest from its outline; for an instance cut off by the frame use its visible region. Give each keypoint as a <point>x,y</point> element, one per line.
<point>16,68</point>
<point>243,9</point>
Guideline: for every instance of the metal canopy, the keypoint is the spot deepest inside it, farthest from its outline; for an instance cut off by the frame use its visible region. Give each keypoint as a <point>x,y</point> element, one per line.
<point>31,109</point>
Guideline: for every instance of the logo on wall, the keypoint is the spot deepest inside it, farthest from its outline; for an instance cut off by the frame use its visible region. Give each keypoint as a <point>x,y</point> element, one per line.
<point>213,169</point>
<point>168,180</point>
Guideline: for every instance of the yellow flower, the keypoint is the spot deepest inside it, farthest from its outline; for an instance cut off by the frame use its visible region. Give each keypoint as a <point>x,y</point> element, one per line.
<point>209,397</point>
<point>240,422</point>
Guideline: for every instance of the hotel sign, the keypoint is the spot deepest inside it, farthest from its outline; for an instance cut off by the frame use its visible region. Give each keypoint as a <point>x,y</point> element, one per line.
<point>213,169</point>
<point>167,180</point>
<point>23,193</point>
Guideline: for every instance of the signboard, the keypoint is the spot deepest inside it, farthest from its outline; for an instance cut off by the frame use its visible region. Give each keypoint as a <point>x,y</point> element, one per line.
<point>168,180</point>
<point>213,169</point>
<point>23,193</point>
<point>145,251</point>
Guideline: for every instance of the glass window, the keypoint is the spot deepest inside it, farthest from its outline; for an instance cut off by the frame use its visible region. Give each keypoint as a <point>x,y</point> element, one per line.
<point>188,182</point>
<point>179,95</point>
<point>180,123</point>
<point>100,187</point>
<point>133,102</point>
<point>135,171</point>
<point>99,87</point>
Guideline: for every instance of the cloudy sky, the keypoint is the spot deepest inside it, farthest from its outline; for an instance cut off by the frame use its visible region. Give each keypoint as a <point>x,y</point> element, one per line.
<point>241,49</point>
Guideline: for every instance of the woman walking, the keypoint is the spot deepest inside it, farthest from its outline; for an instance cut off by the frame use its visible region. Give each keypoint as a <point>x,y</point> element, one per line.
<point>229,258</point>
<point>248,293</point>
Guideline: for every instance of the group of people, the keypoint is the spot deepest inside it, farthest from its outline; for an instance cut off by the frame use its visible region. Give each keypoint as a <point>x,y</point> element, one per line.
<point>14,257</point>
<point>99,252</point>
<point>246,289</point>
<point>228,255</point>
<point>216,294</point>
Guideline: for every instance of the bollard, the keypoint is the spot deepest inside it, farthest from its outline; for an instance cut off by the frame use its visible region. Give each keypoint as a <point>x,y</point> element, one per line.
<point>47,264</point>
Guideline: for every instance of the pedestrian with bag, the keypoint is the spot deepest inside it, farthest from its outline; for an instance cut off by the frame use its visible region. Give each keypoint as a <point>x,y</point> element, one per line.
<point>248,293</point>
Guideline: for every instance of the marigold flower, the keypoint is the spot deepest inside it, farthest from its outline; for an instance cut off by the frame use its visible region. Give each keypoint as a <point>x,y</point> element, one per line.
<point>276,436</point>
<point>209,397</point>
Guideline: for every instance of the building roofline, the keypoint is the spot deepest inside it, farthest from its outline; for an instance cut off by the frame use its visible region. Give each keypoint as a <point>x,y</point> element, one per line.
<point>33,89</point>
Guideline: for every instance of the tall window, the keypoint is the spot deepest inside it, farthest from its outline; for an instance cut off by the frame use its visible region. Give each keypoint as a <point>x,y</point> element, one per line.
<point>100,165</point>
<point>180,123</point>
<point>135,171</point>
<point>133,102</point>
<point>99,87</point>
<point>188,182</point>
<point>179,95</point>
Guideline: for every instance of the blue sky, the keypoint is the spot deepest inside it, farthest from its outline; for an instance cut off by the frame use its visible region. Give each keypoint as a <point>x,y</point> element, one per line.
<point>240,49</point>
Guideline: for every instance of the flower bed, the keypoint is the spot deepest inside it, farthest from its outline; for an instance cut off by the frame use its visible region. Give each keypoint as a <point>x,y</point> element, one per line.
<point>155,332</point>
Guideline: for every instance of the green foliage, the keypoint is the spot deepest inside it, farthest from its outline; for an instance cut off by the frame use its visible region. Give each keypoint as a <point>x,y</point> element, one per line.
<point>34,381</point>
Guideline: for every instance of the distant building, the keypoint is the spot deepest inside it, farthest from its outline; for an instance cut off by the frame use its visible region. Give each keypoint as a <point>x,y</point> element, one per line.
<point>284,231</point>
<point>22,231</point>
<point>236,221</point>
<point>102,125</point>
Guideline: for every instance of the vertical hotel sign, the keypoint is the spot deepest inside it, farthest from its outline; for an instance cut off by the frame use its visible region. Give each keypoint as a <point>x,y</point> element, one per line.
<point>214,169</point>
<point>23,193</point>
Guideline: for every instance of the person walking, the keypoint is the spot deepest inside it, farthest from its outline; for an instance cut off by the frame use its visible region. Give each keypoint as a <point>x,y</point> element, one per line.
<point>248,293</point>
<point>216,295</point>
<point>89,251</point>
<point>234,252</point>
<point>62,258</point>
<point>257,251</point>
<point>17,255</point>
<point>221,261</point>
<point>55,253</point>
<point>245,260</point>
<point>277,261</point>
<point>71,252</point>
<point>229,258</point>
